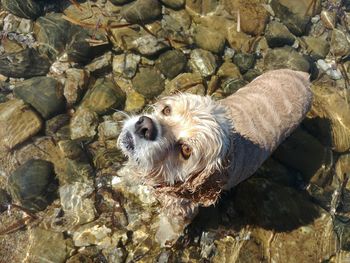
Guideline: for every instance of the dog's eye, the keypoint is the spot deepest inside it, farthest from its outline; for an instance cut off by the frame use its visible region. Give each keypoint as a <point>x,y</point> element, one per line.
<point>166,111</point>
<point>186,151</point>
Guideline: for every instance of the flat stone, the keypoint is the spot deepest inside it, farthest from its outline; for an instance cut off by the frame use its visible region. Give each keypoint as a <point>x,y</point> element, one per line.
<point>43,93</point>
<point>24,64</point>
<point>172,63</point>
<point>278,35</point>
<point>142,11</point>
<point>18,123</point>
<point>148,82</point>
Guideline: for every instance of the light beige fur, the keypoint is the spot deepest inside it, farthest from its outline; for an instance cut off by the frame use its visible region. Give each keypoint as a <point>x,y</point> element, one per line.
<point>230,138</point>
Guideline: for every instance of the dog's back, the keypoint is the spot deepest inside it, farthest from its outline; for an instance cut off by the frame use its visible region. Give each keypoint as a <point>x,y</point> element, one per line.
<point>263,114</point>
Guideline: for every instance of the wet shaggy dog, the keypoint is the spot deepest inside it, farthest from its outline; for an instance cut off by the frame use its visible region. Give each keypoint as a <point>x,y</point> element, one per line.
<point>191,147</point>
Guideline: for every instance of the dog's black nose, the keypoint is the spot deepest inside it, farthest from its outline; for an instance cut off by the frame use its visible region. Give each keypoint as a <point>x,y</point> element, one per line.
<point>145,128</point>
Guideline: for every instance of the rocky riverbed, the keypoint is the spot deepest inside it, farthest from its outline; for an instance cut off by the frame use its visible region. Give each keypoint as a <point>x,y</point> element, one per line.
<point>70,69</point>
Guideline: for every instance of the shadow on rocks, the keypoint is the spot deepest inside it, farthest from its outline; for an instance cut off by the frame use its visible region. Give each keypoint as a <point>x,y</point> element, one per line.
<point>259,202</point>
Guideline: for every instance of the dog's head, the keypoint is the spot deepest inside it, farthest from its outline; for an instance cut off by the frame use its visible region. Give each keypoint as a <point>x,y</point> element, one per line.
<point>185,135</point>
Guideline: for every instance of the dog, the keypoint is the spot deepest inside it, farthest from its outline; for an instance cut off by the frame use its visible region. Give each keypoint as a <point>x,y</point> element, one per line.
<point>191,148</point>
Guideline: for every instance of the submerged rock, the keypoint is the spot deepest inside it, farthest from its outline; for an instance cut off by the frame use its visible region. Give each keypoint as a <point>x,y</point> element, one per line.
<point>331,113</point>
<point>278,35</point>
<point>103,97</point>
<point>183,82</point>
<point>208,39</point>
<point>83,124</point>
<point>135,102</point>
<point>203,62</point>
<point>296,14</point>
<point>5,200</point>
<point>148,82</point>
<point>340,45</point>
<point>244,61</point>
<point>126,65</point>
<point>48,246</point>
<point>24,64</point>
<point>78,207</point>
<point>52,31</point>
<point>285,57</point>
<point>18,123</point>
<point>43,93</point>
<point>33,184</point>
<point>252,14</point>
<point>148,45</point>
<point>172,63</point>
<point>84,44</point>
<point>304,153</point>
<point>176,4</point>
<point>142,11</point>
<point>75,84</point>
<point>317,47</point>
<point>30,9</point>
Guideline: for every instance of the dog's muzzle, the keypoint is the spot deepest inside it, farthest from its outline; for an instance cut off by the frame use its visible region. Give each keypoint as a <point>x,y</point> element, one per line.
<point>145,128</point>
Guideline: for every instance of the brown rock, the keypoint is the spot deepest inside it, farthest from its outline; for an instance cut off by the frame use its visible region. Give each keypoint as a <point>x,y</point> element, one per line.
<point>252,14</point>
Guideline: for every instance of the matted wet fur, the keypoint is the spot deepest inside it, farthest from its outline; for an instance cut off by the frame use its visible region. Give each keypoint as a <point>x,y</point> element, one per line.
<point>194,148</point>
